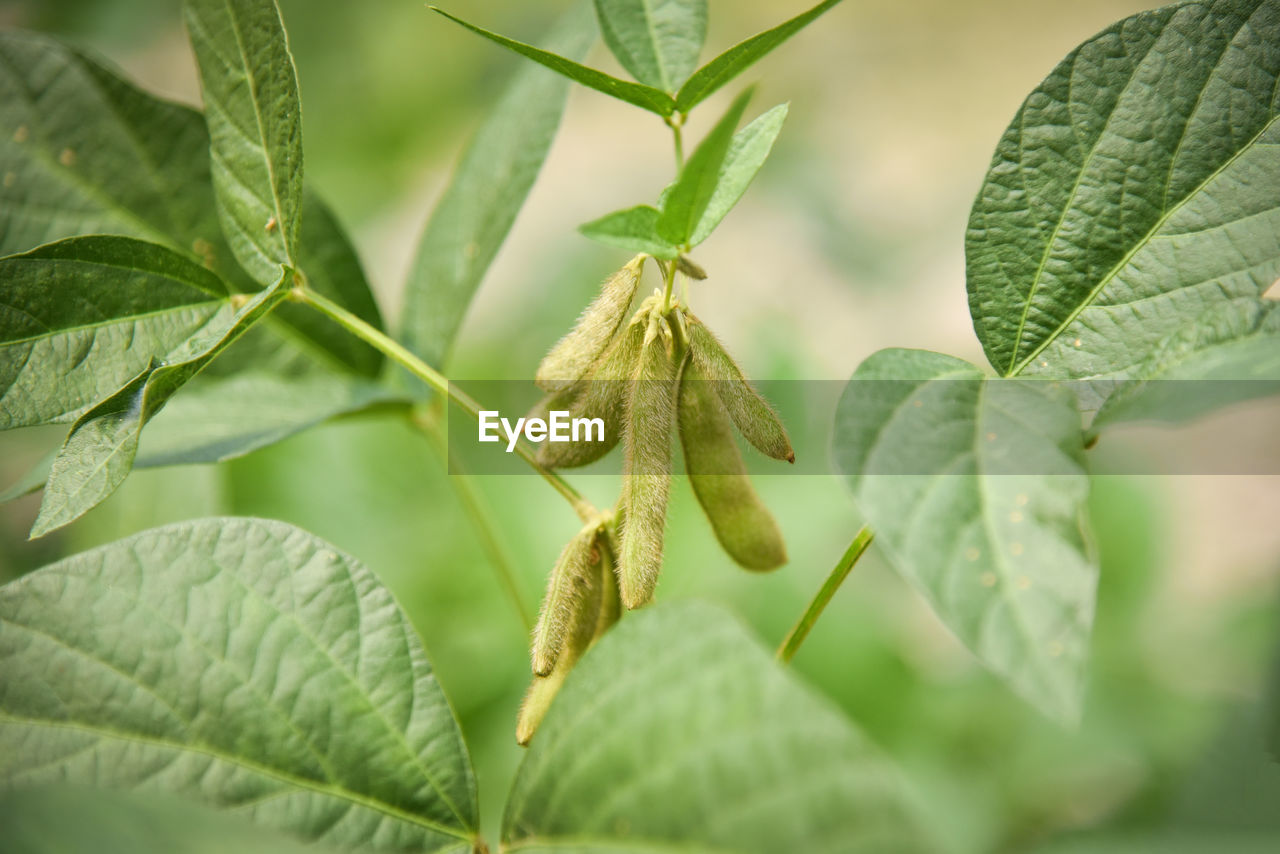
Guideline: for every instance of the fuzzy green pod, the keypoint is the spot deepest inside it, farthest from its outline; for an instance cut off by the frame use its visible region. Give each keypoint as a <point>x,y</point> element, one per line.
<point>755,418</point>
<point>572,590</point>
<point>744,526</point>
<point>601,394</point>
<point>651,411</point>
<point>570,359</point>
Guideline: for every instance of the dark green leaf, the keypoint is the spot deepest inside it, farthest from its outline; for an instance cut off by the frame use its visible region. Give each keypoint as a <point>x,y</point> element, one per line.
<point>634,229</point>
<point>646,97</point>
<point>99,451</point>
<point>255,128</point>
<point>657,41</point>
<point>747,152</point>
<point>976,490</point>
<point>688,200</point>
<point>82,316</point>
<point>1138,185</point>
<point>740,57</point>
<point>481,202</point>
<point>677,732</point>
<point>242,664</point>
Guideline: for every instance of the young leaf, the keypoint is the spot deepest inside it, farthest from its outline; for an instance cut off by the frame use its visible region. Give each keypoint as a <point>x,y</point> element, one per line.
<point>241,664</point>
<point>255,128</point>
<point>1136,186</point>
<point>487,190</point>
<point>976,490</point>
<point>747,152</point>
<point>657,41</point>
<point>684,686</point>
<point>634,229</point>
<point>85,314</point>
<point>99,451</point>
<point>689,198</point>
<point>645,97</point>
<point>740,57</point>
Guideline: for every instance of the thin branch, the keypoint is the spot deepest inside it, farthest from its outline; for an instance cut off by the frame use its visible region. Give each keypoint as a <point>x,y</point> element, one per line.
<point>805,624</point>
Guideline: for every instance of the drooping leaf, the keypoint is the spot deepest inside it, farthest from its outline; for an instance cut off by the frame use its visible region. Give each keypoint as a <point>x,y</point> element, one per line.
<point>1228,355</point>
<point>678,732</point>
<point>80,317</point>
<point>99,451</point>
<point>255,128</point>
<point>689,198</point>
<point>976,490</point>
<point>657,41</point>
<point>1138,185</point>
<point>242,664</point>
<point>645,97</point>
<point>737,59</point>
<point>747,153</point>
<point>481,202</point>
<point>83,151</point>
<point>77,820</point>
<point>634,229</point>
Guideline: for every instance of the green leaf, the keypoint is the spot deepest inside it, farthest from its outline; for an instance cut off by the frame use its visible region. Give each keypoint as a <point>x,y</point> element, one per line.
<point>747,153</point>
<point>242,664</point>
<point>657,41</point>
<point>80,317</point>
<point>1228,355</point>
<point>678,732</point>
<point>689,198</point>
<point>740,57</point>
<point>76,820</point>
<point>645,97</point>
<point>83,151</point>
<point>634,229</point>
<point>487,190</point>
<point>1138,185</point>
<point>255,128</point>
<point>976,490</point>
<point>99,452</point>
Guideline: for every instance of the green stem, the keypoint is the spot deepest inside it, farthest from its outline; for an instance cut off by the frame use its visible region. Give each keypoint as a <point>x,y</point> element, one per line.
<point>420,369</point>
<point>675,122</point>
<point>669,273</point>
<point>803,626</point>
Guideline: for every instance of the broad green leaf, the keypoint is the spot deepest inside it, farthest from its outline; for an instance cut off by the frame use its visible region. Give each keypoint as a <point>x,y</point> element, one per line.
<point>634,229</point>
<point>657,41</point>
<point>242,664</point>
<point>1229,354</point>
<point>690,197</point>
<point>255,128</point>
<point>83,151</point>
<point>99,451</point>
<point>747,153</point>
<point>737,59</point>
<point>488,188</point>
<point>677,732</point>
<point>1138,185</point>
<point>645,97</point>
<point>976,490</point>
<point>77,820</point>
<point>80,317</point>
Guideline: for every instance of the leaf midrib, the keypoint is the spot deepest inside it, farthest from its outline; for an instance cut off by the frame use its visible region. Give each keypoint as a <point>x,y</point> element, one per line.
<point>127,318</point>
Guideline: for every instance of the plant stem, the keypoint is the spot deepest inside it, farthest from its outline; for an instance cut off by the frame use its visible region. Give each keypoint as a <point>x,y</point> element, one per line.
<point>420,369</point>
<point>802,627</point>
<point>675,122</point>
<point>669,274</point>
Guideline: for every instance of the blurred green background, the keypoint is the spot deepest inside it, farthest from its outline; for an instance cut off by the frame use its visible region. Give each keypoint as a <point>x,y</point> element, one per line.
<point>850,240</point>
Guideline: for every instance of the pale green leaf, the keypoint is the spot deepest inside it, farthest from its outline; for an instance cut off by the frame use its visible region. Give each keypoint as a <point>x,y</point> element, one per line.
<point>634,229</point>
<point>747,153</point>
<point>488,188</point>
<point>685,203</point>
<point>255,128</point>
<point>657,41</point>
<point>80,317</point>
<point>1138,186</point>
<point>242,664</point>
<point>740,57</point>
<point>100,449</point>
<point>976,490</point>
<point>677,732</point>
<point>645,97</point>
